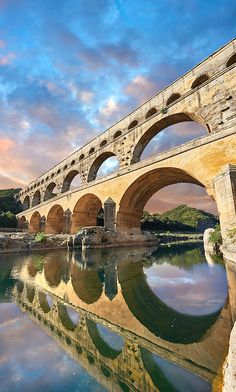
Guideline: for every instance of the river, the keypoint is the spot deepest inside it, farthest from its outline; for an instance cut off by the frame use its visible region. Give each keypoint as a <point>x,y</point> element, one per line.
<point>118,319</point>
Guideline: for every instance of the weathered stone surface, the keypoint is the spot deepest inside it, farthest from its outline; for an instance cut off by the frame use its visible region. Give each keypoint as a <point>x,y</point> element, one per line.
<point>230,366</point>
<point>90,237</point>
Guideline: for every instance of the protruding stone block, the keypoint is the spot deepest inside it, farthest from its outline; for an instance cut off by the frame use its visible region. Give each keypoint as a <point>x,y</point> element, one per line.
<point>109,214</point>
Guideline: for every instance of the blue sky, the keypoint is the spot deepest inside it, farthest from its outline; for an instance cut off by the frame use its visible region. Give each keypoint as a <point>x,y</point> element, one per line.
<point>69,69</point>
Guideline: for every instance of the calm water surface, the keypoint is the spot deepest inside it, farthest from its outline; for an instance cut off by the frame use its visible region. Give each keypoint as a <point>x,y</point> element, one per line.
<point>127,319</point>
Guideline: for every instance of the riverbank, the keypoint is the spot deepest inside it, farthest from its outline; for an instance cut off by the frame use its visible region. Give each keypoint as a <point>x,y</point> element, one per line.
<point>93,237</point>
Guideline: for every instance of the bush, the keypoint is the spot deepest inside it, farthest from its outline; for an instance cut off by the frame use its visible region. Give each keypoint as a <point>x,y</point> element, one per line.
<point>40,237</point>
<point>215,236</point>
<point>8,219</point>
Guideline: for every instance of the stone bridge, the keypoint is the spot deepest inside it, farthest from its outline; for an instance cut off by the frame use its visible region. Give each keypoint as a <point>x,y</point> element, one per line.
<point>49,288</point>
<point>205,95</point>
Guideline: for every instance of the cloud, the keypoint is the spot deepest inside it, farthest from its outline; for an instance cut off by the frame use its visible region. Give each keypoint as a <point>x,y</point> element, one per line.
<point>7,58</point>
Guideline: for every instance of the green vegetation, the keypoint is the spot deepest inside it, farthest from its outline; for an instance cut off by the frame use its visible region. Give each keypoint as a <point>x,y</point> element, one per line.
<point>9,206</point>
<point>232,234</point>
<point>40,237</point>
<point>181,218</point>
<point>215,236</point>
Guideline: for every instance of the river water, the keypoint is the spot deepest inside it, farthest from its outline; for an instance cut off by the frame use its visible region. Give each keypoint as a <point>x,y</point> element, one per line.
<point>126,319</point>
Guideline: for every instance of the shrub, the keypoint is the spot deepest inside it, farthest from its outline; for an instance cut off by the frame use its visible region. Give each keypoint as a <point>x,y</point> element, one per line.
<point>40,237</point>
<point>215,236</point>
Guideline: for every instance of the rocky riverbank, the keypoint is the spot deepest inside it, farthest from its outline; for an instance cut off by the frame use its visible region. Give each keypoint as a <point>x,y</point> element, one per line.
<point>90,237</point>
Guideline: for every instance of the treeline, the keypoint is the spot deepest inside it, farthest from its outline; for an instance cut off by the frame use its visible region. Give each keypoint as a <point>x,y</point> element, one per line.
<point>9,206</point>
<point>179,219</point>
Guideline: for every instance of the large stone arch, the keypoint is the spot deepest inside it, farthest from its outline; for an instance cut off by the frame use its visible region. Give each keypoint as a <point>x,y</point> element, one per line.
<point>49,191</point>
<point>159,318</point>
<point>85,212</point>
<point>92,173</point>
<point>26,203</point>
<point>34,223</point>
<point>68,180</point>
<point>142,189</point>
<point>55,220</point>
<point>36,198</point>
<point>22,222</point>
<point>86,284</point>
<point>159,126</point>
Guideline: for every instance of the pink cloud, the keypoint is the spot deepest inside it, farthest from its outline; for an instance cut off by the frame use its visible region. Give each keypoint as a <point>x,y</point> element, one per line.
<point>141,88</point>
<point>7,59</point>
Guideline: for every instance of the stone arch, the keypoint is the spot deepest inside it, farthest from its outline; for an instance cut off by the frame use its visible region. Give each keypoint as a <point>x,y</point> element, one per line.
<point>36,198</point>
<point>34,222</point>
<point>86,284</point>
<point>68,180</point>
<point>43,301</point>
<point>97,164</point>
<point>85,212</point>
<point>102,346</point>
<point>231,60</point>
<point>22,222</point>
<point>175,327</point>
<point>49,191</point>
<point>117,134</point>
<point>151,112</point>
<point>142,189</point>
<point>133,124</point>
<point>55,220</point>
<point>172,98</point>
<point>65,318</point>
<point>159,126</point>
<point>26,203</point>
<point>54,269</point>
<point>199,81</point>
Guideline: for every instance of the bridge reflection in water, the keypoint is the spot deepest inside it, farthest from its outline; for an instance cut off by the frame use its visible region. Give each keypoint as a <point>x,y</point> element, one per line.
<point>99,306</point>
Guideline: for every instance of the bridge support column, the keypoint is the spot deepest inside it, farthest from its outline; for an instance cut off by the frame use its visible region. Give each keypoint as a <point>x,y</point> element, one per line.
<point>42,224</point>
<point>67,221</point>
<point>109,214</point>
<point>225,193</point>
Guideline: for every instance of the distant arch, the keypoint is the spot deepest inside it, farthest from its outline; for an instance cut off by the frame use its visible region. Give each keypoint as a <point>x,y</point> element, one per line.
<point>231,60</point>
<point>43,301</point>
<point>151,112</point>
<point>26,203</point>
<point>49,191</point>
<point>68,180</point>
<point>34,222</point>
<point>199,81</point>
<point>22,222</point>
<point>172,98</point>
<point>91,151</point>
<point>97,163</point>
<point>85,212</point>
<point>81,157</point>
<point>36,198</point>
<point>104,142</point>
<point>65,318</point>
<point>160,126</point>
<point>55,220</point>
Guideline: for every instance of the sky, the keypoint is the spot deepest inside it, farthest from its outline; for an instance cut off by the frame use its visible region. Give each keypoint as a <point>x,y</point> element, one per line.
<point>69,70</point>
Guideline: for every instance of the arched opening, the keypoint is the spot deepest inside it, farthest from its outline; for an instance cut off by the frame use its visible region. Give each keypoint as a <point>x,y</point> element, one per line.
<point>85,212</point>
<point>175,326</point>
<point>199,81</point>
<point>133,124</point>
<point>86,283</point>
<point>172,98</point>
<point>54,269</point>
<point>71,181</point>
<point>68,316</point>
<point>231,60</point>
<point>104,142</point>
<point>137,195</point>
<point>108,343</point>
<point>45,302</point>
<point>169,132</point>
<point>151,112</point>
<point>34,222</point>
<point>22,222</point>
<point>81,157</point>
<point>91,151</point>
<point>55,220</point>
<point>105,164</point>
<point>26,203</point>
<point>51,191</point>
<point>117,134</point>
<point>30,291</point>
